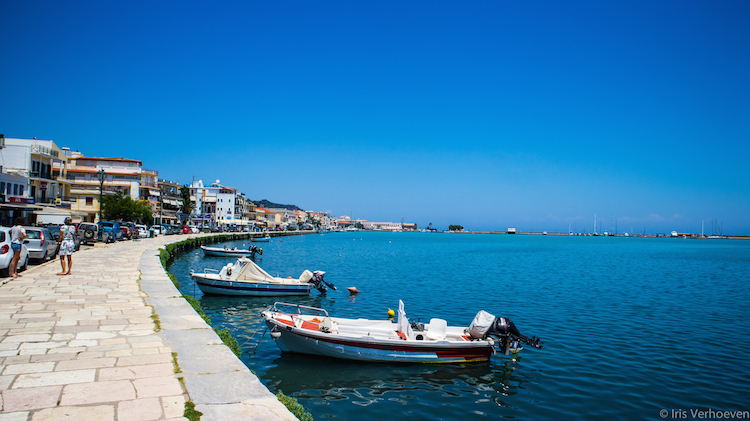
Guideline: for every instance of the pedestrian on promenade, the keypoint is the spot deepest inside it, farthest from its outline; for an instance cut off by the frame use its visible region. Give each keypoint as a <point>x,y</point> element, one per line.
<point>67,245</point>
<point>17,235</point>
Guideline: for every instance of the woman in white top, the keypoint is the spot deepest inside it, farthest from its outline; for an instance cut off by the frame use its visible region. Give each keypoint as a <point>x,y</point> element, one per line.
<point>17,235</point>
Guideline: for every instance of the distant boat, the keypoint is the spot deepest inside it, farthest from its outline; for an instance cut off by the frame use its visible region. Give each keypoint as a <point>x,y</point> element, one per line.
<point>511,230</point>
<point>233,252</point>
<point>263,239</point>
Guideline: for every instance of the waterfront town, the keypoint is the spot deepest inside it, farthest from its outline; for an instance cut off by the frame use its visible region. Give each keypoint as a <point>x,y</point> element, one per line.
<point>45,183</point>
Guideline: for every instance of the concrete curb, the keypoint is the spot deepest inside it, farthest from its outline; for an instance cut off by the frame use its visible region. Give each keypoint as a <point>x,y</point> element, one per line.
<point>218,383</point>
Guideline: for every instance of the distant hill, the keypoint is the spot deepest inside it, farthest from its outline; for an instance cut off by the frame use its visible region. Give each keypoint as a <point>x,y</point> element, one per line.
<point>268,204</point>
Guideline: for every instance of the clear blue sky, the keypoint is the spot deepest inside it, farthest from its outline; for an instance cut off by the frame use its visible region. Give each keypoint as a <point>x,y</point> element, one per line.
<point>487,114</point>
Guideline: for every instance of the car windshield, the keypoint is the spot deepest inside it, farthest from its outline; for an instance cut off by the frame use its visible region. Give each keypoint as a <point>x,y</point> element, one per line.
<point>54,230</point>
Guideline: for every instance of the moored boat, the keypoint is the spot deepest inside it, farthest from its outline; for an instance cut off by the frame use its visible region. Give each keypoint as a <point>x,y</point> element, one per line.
<point>247,278</point>
<point>263,239</point>
<point>233,252</point>
<point>383,340</point>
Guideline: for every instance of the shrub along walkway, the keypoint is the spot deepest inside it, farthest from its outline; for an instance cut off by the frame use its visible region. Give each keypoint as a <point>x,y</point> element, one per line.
<point>86,346</point>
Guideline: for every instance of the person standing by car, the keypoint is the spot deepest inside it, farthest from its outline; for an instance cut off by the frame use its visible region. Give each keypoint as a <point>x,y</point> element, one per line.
<point>67,245</point>
<point>17,235</point>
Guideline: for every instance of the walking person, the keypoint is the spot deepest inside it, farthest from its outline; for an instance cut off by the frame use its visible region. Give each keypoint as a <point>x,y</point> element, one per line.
<point>17,235</point>
<point>67,244</point>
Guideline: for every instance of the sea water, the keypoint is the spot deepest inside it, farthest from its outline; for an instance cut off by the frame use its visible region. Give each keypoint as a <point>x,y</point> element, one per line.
<point>631,326</point>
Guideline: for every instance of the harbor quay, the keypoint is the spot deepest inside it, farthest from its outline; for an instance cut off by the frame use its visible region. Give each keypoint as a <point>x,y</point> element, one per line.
<point>116,341</point>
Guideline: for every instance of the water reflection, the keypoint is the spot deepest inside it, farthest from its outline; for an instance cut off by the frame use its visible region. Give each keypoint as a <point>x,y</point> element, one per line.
<point>319,378</point>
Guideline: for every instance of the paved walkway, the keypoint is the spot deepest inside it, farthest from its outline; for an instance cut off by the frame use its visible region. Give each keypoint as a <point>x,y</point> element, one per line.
<point>84,346</point>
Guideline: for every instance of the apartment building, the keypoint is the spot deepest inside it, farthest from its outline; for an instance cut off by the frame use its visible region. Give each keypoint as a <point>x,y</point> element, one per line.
<point>88,174</point>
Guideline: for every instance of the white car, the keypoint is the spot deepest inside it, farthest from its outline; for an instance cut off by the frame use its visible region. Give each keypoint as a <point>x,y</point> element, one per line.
<point>6,253</point>
<point>142,231</point>
<point>194,229</point>
<point>157,229</point>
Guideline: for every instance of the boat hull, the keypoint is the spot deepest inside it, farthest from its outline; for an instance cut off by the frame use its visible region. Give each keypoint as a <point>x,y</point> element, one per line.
<point>210,285</point>
<point>219,252</point>
<point>308,341</point>
<point>260,239</point>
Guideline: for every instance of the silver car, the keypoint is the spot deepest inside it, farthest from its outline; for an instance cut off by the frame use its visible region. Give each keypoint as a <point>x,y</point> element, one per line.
<point>41,243</point>
<point>6,253</point>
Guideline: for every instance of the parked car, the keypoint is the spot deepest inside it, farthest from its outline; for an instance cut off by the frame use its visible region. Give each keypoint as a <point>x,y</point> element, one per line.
<point>111,231</point>
<point>194,229</point>
<point>186,230</point>
<point>167,230</point>
<point>41,244</point>
<point>157,229</point>
<point>55,231</point>
<point>142,231</point>
<point>132,231</point>
<point>6,253</point>
<point>87,233</point>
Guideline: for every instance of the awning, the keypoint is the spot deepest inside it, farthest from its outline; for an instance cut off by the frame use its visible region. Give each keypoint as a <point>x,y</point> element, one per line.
<point>208,199</point>
<point>154,193</point>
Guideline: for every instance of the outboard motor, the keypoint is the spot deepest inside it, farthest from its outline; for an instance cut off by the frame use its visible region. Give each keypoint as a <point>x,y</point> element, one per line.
<point>507,332</point>
<point>255,250</point>
<point>504,330</point>
<point>319,283</point>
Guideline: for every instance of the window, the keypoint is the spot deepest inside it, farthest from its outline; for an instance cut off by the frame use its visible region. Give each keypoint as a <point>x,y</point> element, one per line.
<point>89,201</point>
<point>2,187</point>
<point>15,190</point>
<point>20,190</point>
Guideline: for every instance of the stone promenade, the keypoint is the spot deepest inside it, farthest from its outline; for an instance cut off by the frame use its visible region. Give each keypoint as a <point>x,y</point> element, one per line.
<point>85,346</point>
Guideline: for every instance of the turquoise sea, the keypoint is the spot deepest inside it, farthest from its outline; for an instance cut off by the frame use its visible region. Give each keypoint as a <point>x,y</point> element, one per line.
<point>631,326</point>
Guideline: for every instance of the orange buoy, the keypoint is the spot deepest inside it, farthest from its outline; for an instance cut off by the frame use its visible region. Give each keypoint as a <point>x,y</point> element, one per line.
<point>353,290</point>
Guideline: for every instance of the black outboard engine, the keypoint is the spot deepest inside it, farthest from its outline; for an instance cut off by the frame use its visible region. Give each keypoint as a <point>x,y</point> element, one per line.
<point>509,336</point>
<point>255,250</point>
<point>319,283</point>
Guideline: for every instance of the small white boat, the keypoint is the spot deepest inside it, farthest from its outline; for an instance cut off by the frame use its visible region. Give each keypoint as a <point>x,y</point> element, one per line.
<point>384,340</point>
<point>231,252</point>
<point>263,239</point>
<point>246,278</point>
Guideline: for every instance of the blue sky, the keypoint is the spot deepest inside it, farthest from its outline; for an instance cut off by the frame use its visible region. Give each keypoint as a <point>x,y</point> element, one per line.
<point>487,114</point>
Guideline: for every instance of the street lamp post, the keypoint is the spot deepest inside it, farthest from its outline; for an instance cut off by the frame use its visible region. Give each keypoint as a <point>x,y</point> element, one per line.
<point>100,175</point>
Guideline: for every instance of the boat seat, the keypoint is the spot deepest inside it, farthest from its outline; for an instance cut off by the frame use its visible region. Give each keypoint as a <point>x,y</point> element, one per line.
<point>437,329</point>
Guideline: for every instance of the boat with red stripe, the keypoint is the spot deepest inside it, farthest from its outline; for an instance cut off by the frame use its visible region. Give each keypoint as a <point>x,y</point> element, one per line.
<point>310,330</point>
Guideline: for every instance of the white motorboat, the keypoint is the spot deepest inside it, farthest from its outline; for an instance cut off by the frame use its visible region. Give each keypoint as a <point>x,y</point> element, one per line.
<point>263,239</point>
<point>246,278</point>
<point>310,330</point>
<point>231,252</point>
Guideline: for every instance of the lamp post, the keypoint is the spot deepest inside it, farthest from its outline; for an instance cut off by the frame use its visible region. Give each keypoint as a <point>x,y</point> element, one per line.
<point>100,175</point>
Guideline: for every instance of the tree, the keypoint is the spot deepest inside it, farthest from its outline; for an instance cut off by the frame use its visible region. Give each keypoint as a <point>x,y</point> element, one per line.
<point>187,204</point>
<point>124,208</point>
<point>359,225</point>
<point>455,228</point>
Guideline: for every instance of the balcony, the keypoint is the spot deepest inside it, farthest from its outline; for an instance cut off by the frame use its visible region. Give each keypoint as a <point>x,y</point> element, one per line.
<point>44,175</point>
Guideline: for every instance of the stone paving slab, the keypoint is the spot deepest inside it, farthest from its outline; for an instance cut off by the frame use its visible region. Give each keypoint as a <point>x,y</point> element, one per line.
<point>84,346</point>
